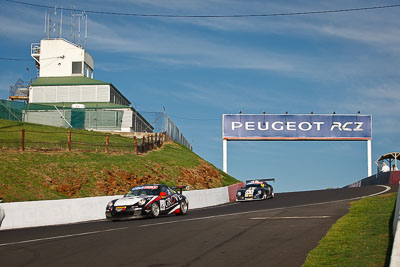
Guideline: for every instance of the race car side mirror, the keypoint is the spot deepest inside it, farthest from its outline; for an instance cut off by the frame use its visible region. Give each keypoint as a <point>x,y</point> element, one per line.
<point>163,194</point>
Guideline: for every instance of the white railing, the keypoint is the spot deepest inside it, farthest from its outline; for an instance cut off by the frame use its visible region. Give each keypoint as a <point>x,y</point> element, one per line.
<point>35,49</point>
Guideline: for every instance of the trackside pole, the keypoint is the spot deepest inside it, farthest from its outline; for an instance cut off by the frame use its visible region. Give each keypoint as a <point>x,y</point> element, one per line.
<point>225,155</point>
<point>369,157</point>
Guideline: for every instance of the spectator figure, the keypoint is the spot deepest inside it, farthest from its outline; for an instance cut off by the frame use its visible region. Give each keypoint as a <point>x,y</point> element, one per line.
<point>2,214</point>
<point>394,168</point>
<point>385,167</point>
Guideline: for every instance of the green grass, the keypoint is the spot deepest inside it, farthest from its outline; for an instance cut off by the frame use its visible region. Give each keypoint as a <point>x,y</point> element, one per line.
<point>33,175</point>
<point>363,237</point>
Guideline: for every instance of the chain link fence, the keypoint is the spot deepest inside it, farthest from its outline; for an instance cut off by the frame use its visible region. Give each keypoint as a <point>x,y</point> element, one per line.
<point>77,140</point>
<point>95,118</point>
<point>162,123</point>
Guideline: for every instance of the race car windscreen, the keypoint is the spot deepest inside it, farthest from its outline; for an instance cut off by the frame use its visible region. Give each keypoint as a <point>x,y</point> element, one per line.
<point>143,191</point>
<point>253,185</point>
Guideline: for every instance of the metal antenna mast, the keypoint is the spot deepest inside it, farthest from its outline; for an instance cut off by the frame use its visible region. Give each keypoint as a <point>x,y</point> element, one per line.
<point>51,24</point>
<point>78,20</point>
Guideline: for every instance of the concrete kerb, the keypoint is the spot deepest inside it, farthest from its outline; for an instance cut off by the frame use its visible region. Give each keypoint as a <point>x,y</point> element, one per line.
<point>395,258</point>
<point>65,211</point>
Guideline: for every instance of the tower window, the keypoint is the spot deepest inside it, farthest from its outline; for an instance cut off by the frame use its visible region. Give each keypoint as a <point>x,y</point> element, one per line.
<point>76,67</point>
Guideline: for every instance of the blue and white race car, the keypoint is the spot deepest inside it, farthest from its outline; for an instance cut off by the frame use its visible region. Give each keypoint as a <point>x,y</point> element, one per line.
<point>256,190</point>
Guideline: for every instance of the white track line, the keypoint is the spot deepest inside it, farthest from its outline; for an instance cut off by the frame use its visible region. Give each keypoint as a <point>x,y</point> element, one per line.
<point>61,236</point>
<point>387,188</point>
<point>292,217</point>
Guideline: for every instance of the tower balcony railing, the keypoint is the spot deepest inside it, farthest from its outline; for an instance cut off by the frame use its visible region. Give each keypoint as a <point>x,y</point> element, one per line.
<point>35,49</point>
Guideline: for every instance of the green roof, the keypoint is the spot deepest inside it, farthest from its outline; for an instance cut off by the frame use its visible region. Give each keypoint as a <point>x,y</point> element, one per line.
<point>68,80</point>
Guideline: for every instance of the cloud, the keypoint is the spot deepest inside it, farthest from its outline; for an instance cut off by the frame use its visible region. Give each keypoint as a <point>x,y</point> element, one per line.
<point>167,41</point>
<point>381,101</point>
<point>21,27</point>
<point>164,45</point>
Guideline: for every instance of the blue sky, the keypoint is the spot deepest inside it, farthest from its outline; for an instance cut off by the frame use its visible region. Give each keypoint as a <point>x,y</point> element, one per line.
<point>201,68</point>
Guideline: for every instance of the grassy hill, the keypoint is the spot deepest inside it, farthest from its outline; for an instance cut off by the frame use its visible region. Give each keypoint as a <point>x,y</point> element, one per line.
<point>56,174</point>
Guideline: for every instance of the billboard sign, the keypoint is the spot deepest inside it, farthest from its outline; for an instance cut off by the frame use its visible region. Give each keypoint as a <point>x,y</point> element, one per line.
<point>296,127</point>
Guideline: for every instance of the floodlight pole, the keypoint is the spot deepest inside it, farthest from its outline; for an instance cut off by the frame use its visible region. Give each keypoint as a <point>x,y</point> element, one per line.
<point>369,157</point>
<point>225,155</point>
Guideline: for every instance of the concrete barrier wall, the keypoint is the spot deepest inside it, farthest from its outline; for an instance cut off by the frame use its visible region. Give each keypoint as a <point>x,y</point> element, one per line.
<point>395,258</point>
<point>52,212</point>
<point>394,177</point>
<point>232,190</point>
<point>206,198</point>
<point>389,178</point>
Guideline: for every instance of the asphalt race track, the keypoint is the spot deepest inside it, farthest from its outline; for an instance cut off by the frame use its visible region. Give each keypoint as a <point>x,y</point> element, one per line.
<point>274,232</point>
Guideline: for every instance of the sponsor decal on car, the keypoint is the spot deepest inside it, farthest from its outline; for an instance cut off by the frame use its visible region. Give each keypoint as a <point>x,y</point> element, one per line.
<point>249,193</point>
<point>120,208</point>
<point>146,187</point>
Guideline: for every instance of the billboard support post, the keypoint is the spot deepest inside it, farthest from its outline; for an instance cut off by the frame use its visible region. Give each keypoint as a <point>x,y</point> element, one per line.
<point>225,155</point>
<point>369,157</point>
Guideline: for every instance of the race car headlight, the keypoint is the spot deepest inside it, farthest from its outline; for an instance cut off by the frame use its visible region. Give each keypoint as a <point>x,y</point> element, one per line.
<point>142,202</point>
<point>109,205</point>
<point>239,193</point>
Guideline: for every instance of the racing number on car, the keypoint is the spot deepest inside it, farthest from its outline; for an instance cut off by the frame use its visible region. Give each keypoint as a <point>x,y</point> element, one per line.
<point>162,204</point>
<point>168,202</point>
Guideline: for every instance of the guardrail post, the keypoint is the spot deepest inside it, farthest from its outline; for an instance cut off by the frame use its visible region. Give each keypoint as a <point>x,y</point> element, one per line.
<point>69,141</point>
<point>135,144</point>
<point>107,142</point>
<point>23,140</point>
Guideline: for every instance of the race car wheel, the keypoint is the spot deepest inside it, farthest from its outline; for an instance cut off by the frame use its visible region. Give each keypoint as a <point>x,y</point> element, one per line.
<point>183,208</point>
<point>154,210</point>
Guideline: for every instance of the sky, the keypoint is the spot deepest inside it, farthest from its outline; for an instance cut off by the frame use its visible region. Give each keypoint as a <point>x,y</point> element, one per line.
<point>200,68</point>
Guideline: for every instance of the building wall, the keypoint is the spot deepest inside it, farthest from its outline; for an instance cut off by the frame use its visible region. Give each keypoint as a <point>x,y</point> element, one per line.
<point>76,93</point>
<point>124,120</point>
<point>57,55</point>
<point>58,94</point>
<point>101,119</point>
<point>48,117</point>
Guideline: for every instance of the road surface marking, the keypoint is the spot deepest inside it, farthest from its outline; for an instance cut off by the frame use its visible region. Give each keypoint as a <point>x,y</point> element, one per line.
<point>61,236</point>
<point>292,217</point>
